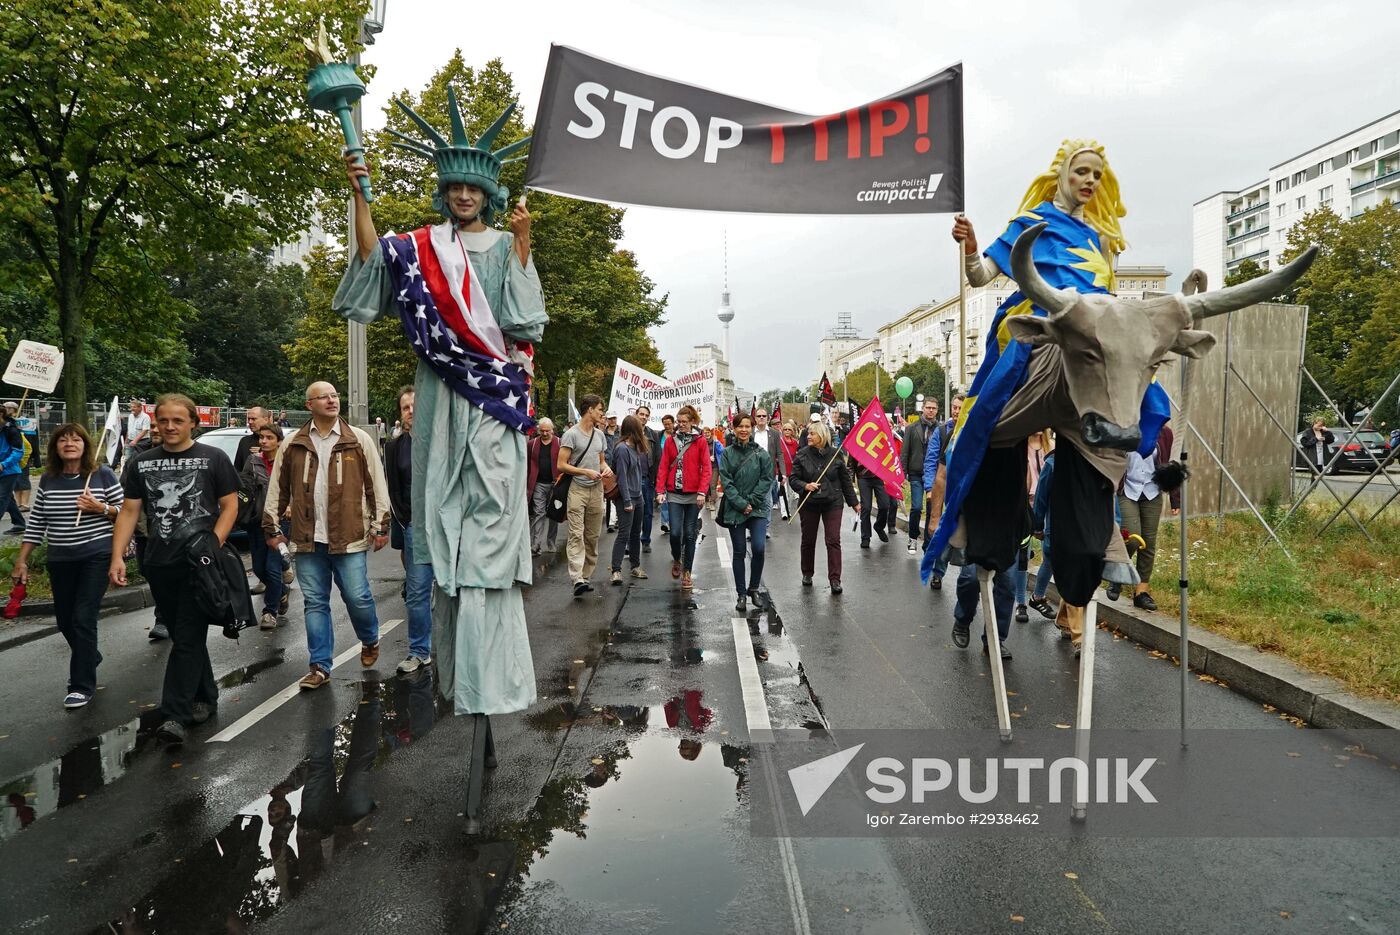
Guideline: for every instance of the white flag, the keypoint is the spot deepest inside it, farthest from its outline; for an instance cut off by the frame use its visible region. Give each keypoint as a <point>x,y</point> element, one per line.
<point>112,430</point>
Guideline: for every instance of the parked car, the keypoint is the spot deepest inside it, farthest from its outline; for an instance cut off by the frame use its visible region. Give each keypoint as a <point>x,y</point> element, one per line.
<point>227,440</point>
<point>1360,453</point>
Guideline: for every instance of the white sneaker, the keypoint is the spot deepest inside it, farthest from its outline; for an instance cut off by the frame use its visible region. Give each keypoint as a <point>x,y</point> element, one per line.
<point>912,549</point>
<point>413,664</point>
<point>76,700</point>
<point>268,621</point>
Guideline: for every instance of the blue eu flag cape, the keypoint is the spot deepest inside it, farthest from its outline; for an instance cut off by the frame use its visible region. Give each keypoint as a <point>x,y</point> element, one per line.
<point>1068,255</point>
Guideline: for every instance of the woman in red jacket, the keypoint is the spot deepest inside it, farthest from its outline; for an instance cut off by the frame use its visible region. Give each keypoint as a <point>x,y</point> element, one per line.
<point>682,480</point>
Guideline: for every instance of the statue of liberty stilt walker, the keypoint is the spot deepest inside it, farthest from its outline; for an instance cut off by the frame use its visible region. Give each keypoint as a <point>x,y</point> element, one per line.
<point>470,303</point>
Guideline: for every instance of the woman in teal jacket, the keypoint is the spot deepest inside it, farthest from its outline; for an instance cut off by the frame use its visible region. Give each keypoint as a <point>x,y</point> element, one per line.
<point>746,472</point>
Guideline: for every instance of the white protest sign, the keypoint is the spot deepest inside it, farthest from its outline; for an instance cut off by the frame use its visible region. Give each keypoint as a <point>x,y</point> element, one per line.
<point>35,366</point>
<point>635,386</point>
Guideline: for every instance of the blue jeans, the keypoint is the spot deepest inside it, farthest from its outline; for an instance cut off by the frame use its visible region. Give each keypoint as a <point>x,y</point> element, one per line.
<point>685,526</point>
<point>755,530</point>
<point>1042,577</point>
<point>648,505</point>
<point>916,506</point>
<point>315,570</point>
<point>267,566</point>
<point>418,597</point>
<point>629,534</point>
<point>7,498</point>
<point>969,596</point>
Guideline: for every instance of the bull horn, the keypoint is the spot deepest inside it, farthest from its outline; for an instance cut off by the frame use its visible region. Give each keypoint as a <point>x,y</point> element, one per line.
<point>1263,288</point>
<point>1033,286</point>
<point>1194,282</point>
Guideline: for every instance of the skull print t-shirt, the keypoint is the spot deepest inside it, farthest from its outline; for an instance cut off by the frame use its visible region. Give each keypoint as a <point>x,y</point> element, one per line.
<point>179,493</point>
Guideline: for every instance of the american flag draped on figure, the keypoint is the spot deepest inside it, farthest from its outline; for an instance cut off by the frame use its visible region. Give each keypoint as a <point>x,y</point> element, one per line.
<point>446,317</point>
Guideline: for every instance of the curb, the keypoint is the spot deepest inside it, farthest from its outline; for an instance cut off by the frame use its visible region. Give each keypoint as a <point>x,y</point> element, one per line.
<point>1319,700</point>
<point>38,615</point>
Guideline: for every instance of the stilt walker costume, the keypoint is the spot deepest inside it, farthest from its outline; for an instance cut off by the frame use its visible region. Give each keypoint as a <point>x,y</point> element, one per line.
<point>1076,250</point>
<point>470,307</point>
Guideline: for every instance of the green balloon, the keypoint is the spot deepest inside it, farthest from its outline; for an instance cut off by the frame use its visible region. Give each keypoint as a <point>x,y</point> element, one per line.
<point>904,386</point>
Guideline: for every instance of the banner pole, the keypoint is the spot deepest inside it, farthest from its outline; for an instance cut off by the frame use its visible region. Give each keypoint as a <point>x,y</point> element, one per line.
<point>817,481</point>
<point>962,315</point>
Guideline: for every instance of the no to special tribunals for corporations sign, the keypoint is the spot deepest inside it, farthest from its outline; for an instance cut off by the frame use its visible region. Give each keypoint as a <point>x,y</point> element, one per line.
<point>34,366</point>
<point>612,134</point>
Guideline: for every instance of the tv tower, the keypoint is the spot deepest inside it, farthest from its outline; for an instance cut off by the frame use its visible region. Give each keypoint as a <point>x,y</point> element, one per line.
<point>726,311</point>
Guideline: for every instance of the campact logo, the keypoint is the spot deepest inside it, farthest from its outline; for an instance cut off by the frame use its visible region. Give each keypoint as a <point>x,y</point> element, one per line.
<point>902,189</point>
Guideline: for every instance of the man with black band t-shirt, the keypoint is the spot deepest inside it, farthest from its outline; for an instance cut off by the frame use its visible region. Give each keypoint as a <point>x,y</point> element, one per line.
<point>185,488</point>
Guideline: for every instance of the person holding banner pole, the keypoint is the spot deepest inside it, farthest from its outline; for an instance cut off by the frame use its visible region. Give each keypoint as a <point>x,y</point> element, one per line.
<point>682,483</point>
<point>823,493</point>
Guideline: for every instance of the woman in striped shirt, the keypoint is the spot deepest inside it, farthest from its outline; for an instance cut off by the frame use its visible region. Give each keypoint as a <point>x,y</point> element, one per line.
<point>73,511</point>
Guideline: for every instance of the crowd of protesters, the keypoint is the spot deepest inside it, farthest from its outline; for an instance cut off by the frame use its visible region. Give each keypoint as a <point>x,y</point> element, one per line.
<point>313,504</point>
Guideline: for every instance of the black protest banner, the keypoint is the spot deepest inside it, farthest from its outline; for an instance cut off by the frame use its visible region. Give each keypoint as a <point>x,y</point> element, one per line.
<point>608,133</point>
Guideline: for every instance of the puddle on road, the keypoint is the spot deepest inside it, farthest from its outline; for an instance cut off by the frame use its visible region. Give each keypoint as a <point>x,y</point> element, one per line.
<point>95,762</point>
<point>642,837</point>
<point>280,842</point>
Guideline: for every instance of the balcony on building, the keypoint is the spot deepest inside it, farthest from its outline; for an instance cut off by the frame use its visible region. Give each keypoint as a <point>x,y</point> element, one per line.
<point>1246,234</point>
<point>1239,211</point>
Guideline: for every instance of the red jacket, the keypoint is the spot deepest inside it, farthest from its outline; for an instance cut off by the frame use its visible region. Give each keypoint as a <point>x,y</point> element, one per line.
<point>532,472</point>
<point>695,471</point>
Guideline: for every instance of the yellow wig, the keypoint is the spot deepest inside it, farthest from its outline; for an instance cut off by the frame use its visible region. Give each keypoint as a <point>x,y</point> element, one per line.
<point>1103,210</point>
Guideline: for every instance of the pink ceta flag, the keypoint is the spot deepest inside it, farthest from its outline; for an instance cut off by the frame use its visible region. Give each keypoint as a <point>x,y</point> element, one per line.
<point>872,443</point>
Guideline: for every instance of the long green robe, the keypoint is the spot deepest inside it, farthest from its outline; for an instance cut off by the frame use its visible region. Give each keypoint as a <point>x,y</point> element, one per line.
<point>469,499</point>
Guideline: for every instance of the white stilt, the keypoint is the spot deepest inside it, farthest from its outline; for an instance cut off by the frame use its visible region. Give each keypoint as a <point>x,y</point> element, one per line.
<point>989,622</point>
<point>1084,713</point>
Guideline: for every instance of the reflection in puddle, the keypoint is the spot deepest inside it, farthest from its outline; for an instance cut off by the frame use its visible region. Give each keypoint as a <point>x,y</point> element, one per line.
<point>94,763</point>
<point>650,831</point>
<point>279,843</point>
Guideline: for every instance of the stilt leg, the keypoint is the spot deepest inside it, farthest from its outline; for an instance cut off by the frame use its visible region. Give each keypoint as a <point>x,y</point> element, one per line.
<point>490,760</point>
<point>476,770</point>
<point>989,622</point>
<point>1084,712</point>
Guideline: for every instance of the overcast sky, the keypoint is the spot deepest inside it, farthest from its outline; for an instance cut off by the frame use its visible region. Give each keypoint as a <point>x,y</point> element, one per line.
<point>1189,97</point>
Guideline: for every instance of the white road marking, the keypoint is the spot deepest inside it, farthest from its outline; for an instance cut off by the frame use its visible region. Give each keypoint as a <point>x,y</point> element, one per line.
<point>722,545</point>
<point>291,691</point>
<point>755,704</point>
<point>761,731</point>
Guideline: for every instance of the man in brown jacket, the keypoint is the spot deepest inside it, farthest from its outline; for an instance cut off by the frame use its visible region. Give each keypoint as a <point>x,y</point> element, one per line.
<point>328,480</point>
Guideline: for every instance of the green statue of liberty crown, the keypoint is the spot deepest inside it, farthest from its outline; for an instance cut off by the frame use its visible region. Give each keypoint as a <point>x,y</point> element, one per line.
<point>461,161</point>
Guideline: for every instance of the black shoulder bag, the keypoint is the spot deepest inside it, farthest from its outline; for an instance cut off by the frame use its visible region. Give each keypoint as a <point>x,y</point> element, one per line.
<point>558,507</point>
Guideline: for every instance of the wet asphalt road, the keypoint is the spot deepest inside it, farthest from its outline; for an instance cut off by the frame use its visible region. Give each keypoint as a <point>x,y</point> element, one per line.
<point>621,800</point>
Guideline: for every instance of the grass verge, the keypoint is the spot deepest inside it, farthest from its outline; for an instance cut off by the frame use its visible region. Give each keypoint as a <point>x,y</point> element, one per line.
<point>1334,608</point>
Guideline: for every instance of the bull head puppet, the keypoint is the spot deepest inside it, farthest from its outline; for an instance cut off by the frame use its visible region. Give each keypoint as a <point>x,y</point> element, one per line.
<point>1112,347</point>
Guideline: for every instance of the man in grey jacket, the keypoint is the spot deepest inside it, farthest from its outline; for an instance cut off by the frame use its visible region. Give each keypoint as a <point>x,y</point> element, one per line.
<point>911,457</point>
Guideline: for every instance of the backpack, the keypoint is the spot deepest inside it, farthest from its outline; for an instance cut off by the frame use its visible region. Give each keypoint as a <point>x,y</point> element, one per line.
<point>252,494</point>
<point>28,451</point>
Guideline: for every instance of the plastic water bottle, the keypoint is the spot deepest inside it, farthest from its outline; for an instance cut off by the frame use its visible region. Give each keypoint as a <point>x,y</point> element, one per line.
<point>285,552</point>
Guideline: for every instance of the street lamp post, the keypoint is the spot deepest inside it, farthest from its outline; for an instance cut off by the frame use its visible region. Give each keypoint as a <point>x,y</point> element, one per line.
<point>946,326</point>
<point>878,355</point>
<point>846,381</point>
<point>356,347</point>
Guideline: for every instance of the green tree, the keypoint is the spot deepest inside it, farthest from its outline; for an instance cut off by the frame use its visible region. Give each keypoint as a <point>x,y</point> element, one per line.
<point>599,302</point>
<point>136,130</point>
<point>1244,273</point>
<point>243,309</point>
<point>318,351</point>
<point>1350,293</point>
<point>927,374</point>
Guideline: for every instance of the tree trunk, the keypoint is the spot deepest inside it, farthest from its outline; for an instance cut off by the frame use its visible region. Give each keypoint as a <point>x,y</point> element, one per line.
<point>72,329</point>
